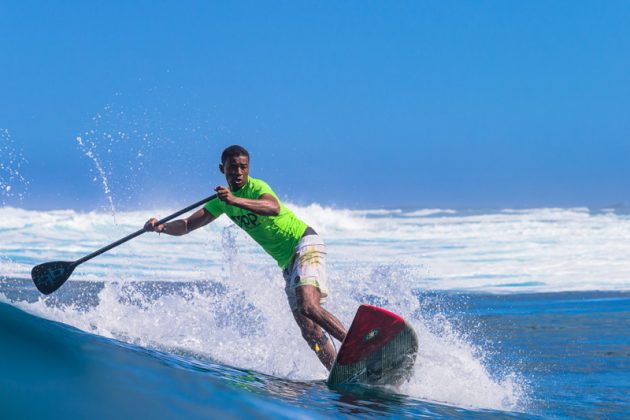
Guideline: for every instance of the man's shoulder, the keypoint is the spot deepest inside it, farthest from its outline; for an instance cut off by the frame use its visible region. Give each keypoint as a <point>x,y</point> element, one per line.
<point>259,186</point>
<point>257,182</point>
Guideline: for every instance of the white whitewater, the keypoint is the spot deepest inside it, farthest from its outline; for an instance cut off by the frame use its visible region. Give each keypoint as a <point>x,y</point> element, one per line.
<point>385,257</point>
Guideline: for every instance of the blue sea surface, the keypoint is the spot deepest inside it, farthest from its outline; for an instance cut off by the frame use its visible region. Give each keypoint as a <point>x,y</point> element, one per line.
<point>572,349</point>
<point>519,313</point>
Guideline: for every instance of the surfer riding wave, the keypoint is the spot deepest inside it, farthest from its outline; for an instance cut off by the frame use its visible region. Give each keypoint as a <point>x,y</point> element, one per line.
<point>296,247</point>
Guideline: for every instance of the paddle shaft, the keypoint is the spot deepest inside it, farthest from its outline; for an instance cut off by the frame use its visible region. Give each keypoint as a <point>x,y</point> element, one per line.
<point>141,231</point>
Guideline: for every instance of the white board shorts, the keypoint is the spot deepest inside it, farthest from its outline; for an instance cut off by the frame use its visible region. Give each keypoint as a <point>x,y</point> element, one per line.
<point>308,267</point>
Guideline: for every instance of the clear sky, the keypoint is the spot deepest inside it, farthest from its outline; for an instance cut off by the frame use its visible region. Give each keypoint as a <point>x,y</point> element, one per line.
<point>356,104</point>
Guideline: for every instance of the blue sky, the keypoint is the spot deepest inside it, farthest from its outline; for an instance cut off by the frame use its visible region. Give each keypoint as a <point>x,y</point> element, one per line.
<point>355,104</point>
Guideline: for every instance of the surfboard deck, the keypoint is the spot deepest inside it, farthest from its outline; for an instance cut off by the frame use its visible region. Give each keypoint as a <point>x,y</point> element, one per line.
<point>380,349</point>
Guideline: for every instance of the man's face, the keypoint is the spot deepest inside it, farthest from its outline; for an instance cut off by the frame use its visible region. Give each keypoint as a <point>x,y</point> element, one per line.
<point>236,171</point>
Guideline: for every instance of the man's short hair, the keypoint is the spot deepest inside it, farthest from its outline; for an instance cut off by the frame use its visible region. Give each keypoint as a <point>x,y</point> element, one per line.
<point>233,151</point>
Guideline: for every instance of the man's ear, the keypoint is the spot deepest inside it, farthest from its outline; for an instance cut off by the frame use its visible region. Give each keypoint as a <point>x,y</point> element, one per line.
<point>221,168</point>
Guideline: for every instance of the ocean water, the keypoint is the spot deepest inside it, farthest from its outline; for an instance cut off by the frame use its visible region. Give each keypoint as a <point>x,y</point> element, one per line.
<point>519,313</point>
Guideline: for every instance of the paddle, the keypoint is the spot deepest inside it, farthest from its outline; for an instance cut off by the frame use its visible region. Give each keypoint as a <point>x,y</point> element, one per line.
<point>49,277</point>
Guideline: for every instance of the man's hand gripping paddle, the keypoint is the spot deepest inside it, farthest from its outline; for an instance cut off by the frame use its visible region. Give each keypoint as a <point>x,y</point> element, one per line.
<point>49,276</point>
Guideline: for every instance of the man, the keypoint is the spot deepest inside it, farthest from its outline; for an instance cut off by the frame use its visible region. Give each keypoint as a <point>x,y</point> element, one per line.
<point>296,247</point>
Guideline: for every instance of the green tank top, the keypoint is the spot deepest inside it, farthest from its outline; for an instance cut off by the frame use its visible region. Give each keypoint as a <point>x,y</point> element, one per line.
<point>278,235</point>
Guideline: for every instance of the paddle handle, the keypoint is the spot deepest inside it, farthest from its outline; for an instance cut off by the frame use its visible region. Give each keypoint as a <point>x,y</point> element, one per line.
<point>141,231</point>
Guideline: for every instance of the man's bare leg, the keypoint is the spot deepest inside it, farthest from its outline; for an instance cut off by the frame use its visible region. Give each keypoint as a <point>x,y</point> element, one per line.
<point>308,306</point>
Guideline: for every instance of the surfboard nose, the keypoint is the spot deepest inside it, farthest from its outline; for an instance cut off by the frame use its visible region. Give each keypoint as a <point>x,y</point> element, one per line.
<point>380,349</point>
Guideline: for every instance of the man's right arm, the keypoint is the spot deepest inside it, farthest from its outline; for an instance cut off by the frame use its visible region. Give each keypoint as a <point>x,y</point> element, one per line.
<point>181,226</point>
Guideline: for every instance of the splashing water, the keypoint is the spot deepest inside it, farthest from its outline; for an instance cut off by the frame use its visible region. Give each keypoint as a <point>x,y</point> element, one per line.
<point>129,145</point>
<point>12,182</point>
<point>210,321</point>
<point>209,293</point>
<point>117,149</point>
<point>88,149</point>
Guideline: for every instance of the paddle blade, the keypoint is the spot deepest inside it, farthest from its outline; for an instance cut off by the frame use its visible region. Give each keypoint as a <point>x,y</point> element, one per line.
<point>49,277</point>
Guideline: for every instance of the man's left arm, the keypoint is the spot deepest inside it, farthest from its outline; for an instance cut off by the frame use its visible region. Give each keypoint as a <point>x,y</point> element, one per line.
<point>265,205</point>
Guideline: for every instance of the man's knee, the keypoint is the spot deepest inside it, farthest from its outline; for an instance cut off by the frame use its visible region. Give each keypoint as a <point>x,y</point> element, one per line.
<point>310,310</point>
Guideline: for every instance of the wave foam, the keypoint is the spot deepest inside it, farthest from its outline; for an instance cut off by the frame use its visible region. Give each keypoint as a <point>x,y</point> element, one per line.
<point>538,250</point>
<point>242,320</point>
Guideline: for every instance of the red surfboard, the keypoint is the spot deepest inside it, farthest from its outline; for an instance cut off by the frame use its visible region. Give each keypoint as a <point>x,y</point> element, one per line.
<point>380,349</point>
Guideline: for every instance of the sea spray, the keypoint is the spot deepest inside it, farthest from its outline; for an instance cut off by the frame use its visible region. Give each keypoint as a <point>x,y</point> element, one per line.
<point>88,148</point>
<point>13,189</point>
<point>144,156</point>
<point>117,147</point>
<point>13,185</point>
<point>222,323</point>
<point>451,366</point>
